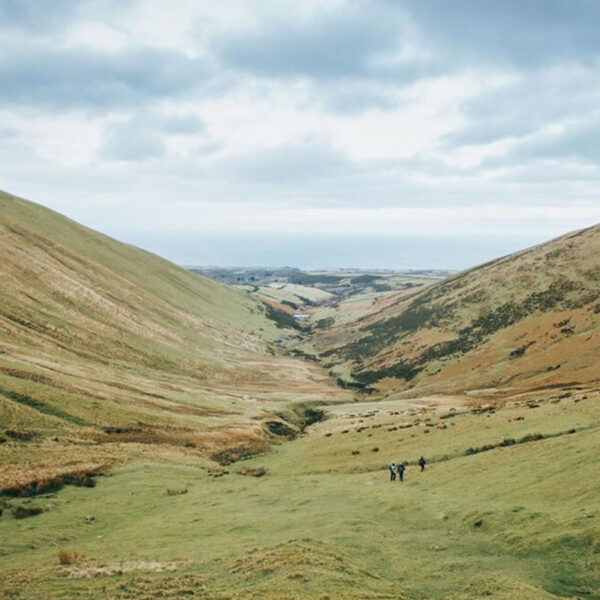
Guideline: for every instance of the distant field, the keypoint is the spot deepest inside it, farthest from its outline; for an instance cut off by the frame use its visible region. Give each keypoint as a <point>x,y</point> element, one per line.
<point>343,295</point>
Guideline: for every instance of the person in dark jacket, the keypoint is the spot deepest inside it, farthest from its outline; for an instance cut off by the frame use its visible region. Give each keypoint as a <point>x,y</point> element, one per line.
<point>422,463</point>
<point>392,469</point>
<point>401,469</point>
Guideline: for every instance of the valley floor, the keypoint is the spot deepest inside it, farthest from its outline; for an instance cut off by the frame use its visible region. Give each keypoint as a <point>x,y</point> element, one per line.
<point>508,507</point>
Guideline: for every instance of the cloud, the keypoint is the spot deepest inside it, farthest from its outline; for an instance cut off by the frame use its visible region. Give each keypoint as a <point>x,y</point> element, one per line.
<point>184,124</point>
<point>295,163</point>
<point>576,143</point>
<point>343,42</point>
<point>33,16</point>
<point>142,135</point>
<point>523,34</point>
<point>527,103</point>
<point>39,76</point>
<point>310,114</point>
<point>132,141</point>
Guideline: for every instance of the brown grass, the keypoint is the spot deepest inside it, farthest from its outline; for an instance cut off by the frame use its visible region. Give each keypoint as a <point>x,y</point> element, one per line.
<point>69,557</point>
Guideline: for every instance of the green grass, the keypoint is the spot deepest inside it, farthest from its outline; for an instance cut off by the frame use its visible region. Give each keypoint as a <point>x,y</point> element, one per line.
<point>96,335</point>
<point>112,356</point>
<point>323,522</point>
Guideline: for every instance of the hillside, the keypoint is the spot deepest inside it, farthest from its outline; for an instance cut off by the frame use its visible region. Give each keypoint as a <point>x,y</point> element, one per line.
<point>105,349</point>
<point>529,321</point>
<point>142,384</point>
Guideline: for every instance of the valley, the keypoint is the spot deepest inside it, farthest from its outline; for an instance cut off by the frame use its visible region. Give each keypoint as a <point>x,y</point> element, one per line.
<point>168,435</point>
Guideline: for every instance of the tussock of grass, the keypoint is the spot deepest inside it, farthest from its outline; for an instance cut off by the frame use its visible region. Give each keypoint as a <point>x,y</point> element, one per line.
<point>69,557</point>
<point>53,484</point>
<point>23,512</point>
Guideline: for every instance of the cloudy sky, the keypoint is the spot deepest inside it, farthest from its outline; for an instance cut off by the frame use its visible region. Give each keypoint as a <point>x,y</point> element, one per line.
<point>160,121</point>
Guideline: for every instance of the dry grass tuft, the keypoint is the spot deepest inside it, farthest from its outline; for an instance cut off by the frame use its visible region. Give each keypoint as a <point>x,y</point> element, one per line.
<point>69,557</point>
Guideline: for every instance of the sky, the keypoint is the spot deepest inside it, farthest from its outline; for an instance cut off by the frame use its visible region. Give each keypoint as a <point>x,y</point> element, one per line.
<point>175,123</point>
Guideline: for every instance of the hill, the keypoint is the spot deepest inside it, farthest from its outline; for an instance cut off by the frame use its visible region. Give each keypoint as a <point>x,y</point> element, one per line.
<point>110,355</point>
<point>106,349</point>
<point>529,321</point>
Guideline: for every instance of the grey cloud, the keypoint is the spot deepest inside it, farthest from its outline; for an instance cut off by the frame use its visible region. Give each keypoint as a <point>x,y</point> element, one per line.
<point>7,132</point>
<point>550,156</point>
<point>35,15</point>
<point>343,43</point>
<point>294,163</point>
<point>37,75</point>
<point>140,136</point>
<point>520,33</point>
<point>181,124</point>
<point>523,107</point>
<point>354,97</point>
<point>578,143</point>
<point>132,141</point>
<point>315,174</point>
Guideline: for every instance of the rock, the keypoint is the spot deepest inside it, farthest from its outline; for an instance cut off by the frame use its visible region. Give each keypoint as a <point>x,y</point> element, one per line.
<point>90,519</point>
<point>478,523</point>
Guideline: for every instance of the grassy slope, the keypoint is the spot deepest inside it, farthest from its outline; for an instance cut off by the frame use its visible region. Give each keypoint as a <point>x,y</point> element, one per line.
<point>529,320</point>
<point>326,523</point>
<point>95,333</point>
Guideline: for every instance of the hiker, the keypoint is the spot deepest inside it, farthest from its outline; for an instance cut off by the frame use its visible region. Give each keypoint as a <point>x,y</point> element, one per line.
<point>422,463</point>
<point>392,468</point>
<point>401,469</point>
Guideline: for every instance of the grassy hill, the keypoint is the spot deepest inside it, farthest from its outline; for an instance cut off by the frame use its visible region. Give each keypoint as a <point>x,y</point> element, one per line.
<point>112,356</point>
<point>105,349</point>
<point>525,322</point>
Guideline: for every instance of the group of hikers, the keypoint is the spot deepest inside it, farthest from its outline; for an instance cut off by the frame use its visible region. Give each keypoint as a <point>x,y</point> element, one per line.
<point>401,467</point>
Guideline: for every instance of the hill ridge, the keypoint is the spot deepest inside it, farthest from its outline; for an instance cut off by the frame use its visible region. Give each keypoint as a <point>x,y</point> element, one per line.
<point>425,340</point>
